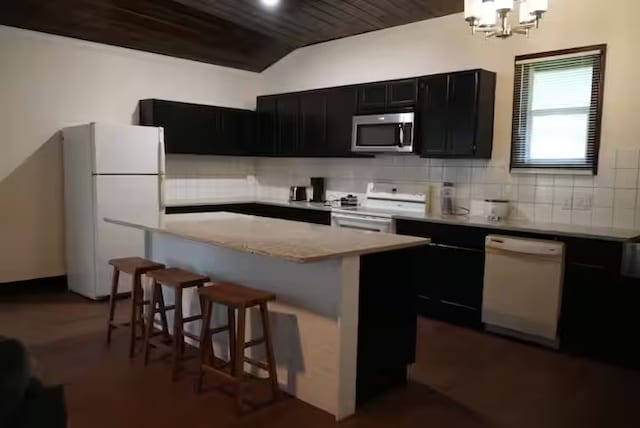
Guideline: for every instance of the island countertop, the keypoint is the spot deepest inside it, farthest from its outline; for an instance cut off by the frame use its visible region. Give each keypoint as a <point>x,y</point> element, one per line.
<point>290,240</point>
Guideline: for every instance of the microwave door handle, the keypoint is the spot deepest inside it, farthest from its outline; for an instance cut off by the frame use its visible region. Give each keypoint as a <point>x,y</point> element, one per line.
<point>400,135</point>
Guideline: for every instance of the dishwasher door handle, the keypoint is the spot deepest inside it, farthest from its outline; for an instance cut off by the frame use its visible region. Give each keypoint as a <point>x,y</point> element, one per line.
<point>524,246</point>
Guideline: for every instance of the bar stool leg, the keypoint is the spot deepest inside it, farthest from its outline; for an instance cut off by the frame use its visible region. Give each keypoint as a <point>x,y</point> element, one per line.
<point>239,356</point>
<point>177,334</point>
<point>134,315</point>
<point>231,322</point>
<point>140,306</point>
<point>155,289</point>
<point>163,314</point>
<point>112,302</point>
<point>266,330</point>
<point>205,342</point>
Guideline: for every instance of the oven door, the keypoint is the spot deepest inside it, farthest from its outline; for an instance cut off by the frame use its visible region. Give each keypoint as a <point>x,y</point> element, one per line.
<point>383,133</point>
<point>367,223</point>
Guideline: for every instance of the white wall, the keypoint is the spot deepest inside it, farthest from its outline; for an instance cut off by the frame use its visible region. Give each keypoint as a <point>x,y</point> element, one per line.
<point>49,82</point>
<point>445,44</point>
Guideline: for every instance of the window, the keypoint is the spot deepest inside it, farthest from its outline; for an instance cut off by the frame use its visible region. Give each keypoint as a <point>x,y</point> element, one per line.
<point>557,111</point>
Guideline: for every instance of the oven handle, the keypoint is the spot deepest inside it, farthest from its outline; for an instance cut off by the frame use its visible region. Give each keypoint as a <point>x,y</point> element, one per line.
<point>362,219</point>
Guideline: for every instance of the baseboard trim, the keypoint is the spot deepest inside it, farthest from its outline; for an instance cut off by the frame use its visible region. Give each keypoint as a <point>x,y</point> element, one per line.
<point>53,284</point>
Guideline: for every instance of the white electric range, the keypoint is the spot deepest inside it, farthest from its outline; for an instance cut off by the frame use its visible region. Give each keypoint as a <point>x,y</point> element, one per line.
<point>375,213</point>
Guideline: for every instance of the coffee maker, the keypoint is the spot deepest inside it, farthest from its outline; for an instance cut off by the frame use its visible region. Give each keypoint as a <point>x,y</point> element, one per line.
<point>318,184</point>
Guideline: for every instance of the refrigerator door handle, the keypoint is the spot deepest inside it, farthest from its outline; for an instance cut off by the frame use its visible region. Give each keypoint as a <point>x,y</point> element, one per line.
<point>161,192</point>
<point>161,155</point>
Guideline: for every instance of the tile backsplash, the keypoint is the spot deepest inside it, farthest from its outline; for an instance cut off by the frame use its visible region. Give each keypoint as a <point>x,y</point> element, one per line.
<point>609,199</point>
<point>208,177</point>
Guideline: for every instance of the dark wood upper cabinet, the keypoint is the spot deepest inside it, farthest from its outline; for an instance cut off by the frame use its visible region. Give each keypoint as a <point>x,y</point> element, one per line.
<point>403,93</point>
<point>313,123</point>
<point>342,105</point>
<point>455,115</point>
<point>307,124</point>
<point>432,113</point>
<point>288,121</point>
<point>454,119</point>
<point>265,143</point>
<point>199,129</point>
<point>385,97</point>
<point>237,132</point>
<point>372,98</point>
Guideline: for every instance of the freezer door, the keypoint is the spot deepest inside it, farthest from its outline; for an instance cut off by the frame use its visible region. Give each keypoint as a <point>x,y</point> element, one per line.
<point>125,149</point>
<point>122,197</point>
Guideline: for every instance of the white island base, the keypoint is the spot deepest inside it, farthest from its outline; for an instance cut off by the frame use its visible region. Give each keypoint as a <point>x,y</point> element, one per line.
<point>314,318</point>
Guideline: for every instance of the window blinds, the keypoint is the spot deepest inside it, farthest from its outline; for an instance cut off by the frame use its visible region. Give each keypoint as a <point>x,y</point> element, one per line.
<point>557,110</point>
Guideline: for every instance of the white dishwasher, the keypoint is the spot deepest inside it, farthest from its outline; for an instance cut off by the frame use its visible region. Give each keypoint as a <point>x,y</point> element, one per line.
<point>523,281</point>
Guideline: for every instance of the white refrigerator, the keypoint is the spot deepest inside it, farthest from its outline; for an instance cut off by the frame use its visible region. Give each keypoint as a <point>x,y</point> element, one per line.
<point>109,171</point>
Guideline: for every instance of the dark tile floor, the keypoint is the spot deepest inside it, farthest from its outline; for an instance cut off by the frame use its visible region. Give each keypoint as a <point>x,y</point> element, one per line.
<point>462,378</point>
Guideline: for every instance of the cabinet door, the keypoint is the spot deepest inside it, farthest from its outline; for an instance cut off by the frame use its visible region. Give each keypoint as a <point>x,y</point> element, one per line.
<point>265,143</point>
<point>236,132</point>
<point>341,107</point>
<point>462,272</point>
<point>403,94</point>
<point>228,138</point>
<point>462,113</point>
<point>288,115</point>
<point>188,128</point>
<point>313,122</point>
<point>372,98</point>
<point>247,134</point>
<point>432,116</point>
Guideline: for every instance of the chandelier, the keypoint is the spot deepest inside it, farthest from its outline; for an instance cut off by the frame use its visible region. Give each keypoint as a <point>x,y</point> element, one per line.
<point>493,17</point>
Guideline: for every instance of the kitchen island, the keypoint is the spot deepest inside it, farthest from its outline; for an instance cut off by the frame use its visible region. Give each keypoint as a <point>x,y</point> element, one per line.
<point>344,321</point>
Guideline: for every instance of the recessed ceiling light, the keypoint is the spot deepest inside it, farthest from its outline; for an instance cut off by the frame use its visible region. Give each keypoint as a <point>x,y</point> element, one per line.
<point>270,3</point>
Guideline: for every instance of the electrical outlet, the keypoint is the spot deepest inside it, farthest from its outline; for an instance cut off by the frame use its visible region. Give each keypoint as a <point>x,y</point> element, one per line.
<point>566,203</point>
<point>583,203</point>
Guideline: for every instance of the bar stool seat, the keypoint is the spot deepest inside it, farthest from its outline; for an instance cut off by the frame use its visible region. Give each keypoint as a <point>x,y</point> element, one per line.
<point>136,267</point>
<point>178,280</point>
<point>240,298</point>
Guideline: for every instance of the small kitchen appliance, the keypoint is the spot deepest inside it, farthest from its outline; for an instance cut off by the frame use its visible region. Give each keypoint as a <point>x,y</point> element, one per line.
<point>447,199</point>
<point>349,201</point>
<point>297,193</point>
<point>496,209</point>
<point>380,133</point>
<point>319,189</point>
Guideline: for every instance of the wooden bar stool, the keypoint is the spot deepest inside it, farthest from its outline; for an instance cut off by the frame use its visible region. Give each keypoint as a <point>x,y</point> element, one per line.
<point>240,298</point>
<point>136,267</point>
<point>178,279</point>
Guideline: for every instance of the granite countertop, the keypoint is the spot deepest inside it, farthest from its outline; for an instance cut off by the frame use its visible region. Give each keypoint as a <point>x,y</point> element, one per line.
<point>594,232</point>
<point>290,240</point>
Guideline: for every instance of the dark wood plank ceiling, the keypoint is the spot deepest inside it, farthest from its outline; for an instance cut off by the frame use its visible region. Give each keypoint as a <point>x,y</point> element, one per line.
<point>235,33</point>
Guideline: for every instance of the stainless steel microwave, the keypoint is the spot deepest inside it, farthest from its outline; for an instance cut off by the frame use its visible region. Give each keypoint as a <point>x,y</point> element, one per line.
<point>379,133</point>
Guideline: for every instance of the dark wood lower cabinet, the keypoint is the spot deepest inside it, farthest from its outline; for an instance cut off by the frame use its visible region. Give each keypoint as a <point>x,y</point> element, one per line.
<point>600,315</point>
<point>262,210</point>
<point>449,283</point>
<point>387,321</point>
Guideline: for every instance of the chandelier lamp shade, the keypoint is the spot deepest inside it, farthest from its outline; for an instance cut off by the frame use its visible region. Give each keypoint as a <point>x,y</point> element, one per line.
<point>496,18</point>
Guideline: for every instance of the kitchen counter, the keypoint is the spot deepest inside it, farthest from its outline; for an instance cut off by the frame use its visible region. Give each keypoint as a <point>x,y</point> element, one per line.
<point>594,232</point>
<point>290,240</point>
<point>570,230</point>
